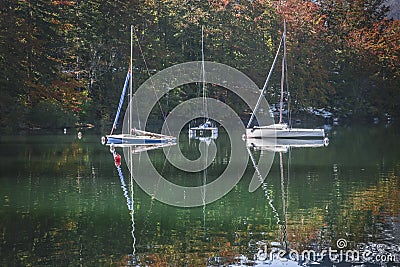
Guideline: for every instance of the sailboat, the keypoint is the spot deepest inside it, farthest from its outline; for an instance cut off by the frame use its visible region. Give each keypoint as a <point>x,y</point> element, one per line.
<point>134,136</point>
<point>280,129</point>
<point>206,129</point>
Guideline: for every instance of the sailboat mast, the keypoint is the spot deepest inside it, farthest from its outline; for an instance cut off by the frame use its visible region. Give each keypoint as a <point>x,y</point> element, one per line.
<point>203,75</point>
<point>130,85</point>
<point>131,154</point>
<point>283,73</point>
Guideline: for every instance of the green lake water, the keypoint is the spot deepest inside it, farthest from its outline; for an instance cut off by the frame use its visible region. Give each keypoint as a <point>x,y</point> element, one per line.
<point>62,203</point>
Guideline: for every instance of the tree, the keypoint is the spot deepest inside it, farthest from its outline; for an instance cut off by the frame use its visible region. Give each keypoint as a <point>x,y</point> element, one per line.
<point>308,54</point>
<point>381,48</point>
<point>353,66</point>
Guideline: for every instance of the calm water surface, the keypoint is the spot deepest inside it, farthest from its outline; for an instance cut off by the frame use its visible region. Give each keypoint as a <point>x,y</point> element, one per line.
<point>62,202</point>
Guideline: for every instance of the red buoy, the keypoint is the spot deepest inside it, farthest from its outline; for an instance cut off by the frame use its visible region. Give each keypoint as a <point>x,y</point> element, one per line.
<point>117,159</point>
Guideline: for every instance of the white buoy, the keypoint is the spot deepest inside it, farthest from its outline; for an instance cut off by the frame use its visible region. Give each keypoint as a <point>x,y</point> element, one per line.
<point>326,141</point>
<point>103,140</point>
<point>112,149</point>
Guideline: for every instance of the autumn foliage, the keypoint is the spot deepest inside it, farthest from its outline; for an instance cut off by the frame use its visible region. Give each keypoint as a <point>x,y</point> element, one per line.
<point>382,42</point>
<point>341,54</point>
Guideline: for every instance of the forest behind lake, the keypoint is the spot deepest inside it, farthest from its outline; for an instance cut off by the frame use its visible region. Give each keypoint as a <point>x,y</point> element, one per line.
<point>64,62</point>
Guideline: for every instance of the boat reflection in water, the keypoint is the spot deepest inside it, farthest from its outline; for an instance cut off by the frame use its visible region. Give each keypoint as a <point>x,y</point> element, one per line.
<point>275,253</point>
<point>259,252</point>
<point>284,144</point>
<point>128,189</point>
<point>202,139</point>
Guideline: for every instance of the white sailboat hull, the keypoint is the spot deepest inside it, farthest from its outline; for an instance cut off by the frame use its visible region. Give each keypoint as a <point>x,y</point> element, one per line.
<point>127,139</point>
<point>138,148</point>
<point>200,132</point>
<point>278,131</point>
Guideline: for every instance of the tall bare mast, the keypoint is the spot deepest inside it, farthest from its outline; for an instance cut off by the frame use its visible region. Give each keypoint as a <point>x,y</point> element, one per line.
<point>130,84</point>
<point>203,76</point>
<point>283,72</point>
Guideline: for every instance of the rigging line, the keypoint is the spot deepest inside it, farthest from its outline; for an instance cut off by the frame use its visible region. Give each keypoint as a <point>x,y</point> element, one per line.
<point>137,110</point>
<point>263,185</point>
<point>149,210</point>
<point>265,84</point>
<point>152,83</point>
<point>154,192</point>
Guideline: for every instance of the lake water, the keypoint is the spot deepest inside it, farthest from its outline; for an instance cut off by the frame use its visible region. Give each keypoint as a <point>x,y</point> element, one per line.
<point>62,203</point>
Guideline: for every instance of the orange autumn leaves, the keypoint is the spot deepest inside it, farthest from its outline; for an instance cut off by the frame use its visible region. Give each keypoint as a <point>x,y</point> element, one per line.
<point>382,40</point>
